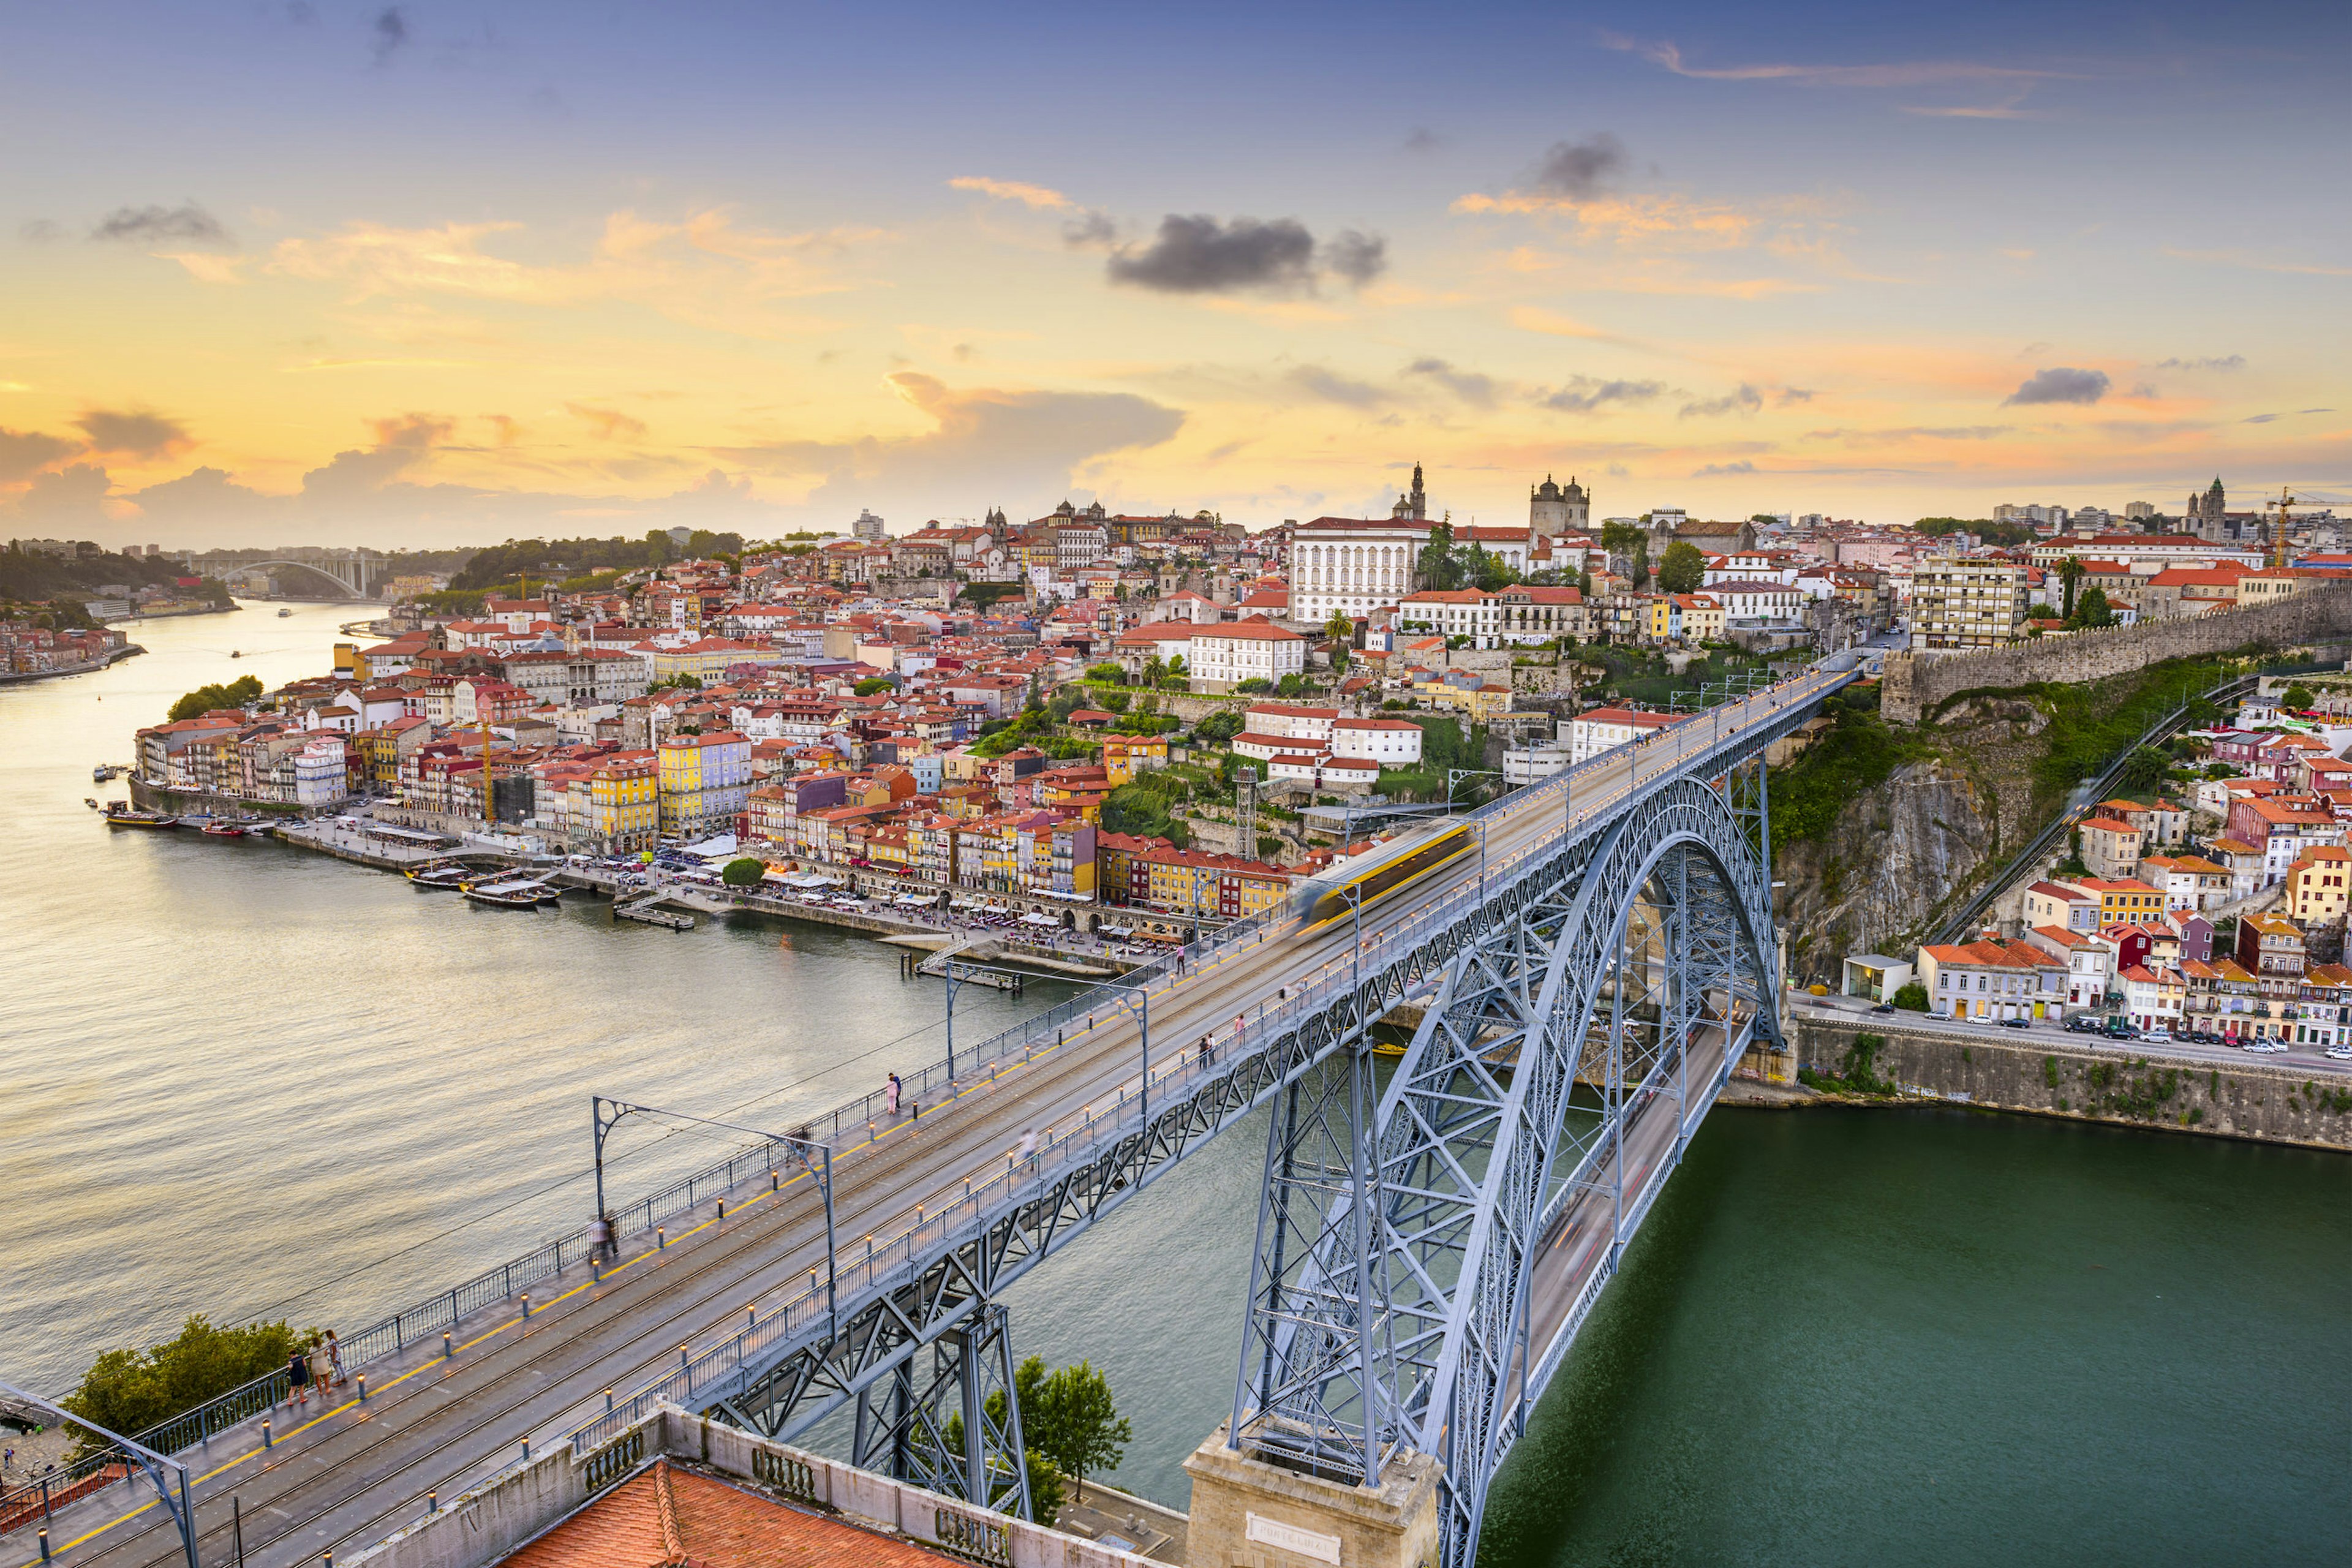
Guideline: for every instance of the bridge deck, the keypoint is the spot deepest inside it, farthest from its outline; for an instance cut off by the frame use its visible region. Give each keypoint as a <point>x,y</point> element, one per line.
<point>341,1474</point>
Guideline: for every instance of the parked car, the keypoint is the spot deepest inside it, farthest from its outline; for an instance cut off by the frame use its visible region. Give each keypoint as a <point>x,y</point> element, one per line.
<point>2017,1023</point>
<point>2339,1053</point>
<point>2159,1037</point>
<point>1884,1007</point>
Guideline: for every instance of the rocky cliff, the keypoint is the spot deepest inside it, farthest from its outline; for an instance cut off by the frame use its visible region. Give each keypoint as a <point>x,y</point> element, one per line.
<point>1900,852</point>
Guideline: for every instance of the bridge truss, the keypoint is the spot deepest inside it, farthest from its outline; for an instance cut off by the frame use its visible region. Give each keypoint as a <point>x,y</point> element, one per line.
<point>1390,1300</point>
<point>1563,994</point>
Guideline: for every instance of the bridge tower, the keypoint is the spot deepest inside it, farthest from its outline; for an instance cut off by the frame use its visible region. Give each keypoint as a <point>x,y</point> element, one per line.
<point>1423,1264</point>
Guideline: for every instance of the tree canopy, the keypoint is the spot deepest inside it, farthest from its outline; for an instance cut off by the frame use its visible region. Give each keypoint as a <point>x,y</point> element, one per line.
<point>2092,610</point>
<point>128,1391</point>
<point>1069,1416</point>
<point>245,688</point>
<point>744,871</point>
<point>1683,568</point>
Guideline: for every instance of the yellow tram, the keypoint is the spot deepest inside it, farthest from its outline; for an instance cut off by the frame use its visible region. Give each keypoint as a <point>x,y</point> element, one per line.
<point>1385,869</point>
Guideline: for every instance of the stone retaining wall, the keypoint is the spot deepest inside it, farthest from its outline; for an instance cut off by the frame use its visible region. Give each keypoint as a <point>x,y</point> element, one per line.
<point>2117,1084</point>
<point>1915,683</point>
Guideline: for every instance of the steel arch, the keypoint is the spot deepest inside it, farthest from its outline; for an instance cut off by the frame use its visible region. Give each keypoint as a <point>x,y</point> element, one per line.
<point>1468,1180</point>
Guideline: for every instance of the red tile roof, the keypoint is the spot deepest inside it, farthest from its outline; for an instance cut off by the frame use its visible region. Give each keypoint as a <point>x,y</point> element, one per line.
<point>670,1516</point>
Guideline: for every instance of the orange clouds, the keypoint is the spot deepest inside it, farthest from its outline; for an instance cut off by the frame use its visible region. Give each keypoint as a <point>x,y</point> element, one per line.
<point>1027,194</point>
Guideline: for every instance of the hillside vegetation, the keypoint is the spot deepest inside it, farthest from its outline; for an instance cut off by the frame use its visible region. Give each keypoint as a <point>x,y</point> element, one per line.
<point>1877,831</point>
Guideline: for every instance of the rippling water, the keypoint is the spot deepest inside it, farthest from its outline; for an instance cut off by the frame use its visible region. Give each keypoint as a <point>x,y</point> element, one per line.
<point>239,1079</point>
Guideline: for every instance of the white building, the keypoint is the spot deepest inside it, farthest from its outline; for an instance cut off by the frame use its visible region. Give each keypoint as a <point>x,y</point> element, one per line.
<point>2090,961</point>
<point>1224,655</point>
<point>1391,742</point>
<point>1605,729</point>
<point>318,777</point>
<point>1354,565</point>
<point>1290,720</point>
<point>1960,601</point>
<point>1757,598</point>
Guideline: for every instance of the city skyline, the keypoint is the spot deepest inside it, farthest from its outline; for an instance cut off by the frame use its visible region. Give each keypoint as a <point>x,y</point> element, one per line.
<point>422,275</point>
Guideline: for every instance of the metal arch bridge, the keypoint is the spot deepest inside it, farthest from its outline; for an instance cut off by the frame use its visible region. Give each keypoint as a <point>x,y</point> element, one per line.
<point>1419,1276</point>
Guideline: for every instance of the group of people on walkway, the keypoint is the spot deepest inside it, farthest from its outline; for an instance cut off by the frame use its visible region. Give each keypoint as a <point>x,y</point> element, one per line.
<point>319,1364</point>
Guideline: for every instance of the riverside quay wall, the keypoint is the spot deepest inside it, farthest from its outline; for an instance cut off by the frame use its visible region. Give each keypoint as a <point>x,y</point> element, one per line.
<point>2119,1085</point>
<point>1915,683</point>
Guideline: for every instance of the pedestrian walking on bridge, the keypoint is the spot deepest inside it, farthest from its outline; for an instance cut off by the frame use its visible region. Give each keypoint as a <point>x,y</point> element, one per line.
<point>890,1096</point>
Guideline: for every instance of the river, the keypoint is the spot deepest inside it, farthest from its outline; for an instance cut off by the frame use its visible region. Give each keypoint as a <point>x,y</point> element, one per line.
<point>241,1080</point>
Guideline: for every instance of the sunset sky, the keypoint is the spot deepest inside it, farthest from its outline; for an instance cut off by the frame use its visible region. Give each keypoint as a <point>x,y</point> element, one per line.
<point>443,273</point>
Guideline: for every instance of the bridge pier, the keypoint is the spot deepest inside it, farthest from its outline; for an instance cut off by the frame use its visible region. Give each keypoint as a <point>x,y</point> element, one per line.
<point>955,1428</point>
<point>1249,1513</point>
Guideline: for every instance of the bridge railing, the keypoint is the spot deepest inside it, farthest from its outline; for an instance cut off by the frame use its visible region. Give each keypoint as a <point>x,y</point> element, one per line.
<point>443,1311</point>
<point>872,1265</point>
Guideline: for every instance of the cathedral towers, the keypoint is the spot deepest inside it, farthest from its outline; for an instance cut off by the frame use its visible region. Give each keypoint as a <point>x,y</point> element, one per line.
<point>1554,510</point>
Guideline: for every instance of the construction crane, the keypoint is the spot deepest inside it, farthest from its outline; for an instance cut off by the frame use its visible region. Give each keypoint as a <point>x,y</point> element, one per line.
<point>2278,528</point>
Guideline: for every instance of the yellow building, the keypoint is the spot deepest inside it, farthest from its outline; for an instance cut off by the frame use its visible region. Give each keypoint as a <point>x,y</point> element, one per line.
<point>1124,756</point>
<point>1702,618</point>
<point>704,780</point>
<point>1482,702</point>
<point>2315,886</point>
<point>623,807</point>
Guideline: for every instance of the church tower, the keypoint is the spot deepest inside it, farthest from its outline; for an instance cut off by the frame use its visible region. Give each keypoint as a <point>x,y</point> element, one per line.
<point>2208,514</point>
<point>1413,505</point>
<point>1554,510</point>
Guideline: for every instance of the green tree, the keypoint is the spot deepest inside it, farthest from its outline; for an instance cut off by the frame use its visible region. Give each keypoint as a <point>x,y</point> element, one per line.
<point>2144,768</point>
<point>1218,727</point>
<point>237,693</point>
<point>875,684</point>
<point>2070,573</point>
<point>1106,672</point>
<point>1341,627</point>
<point>1683,568</point>
<point>1076,1424</point>
<point>658,550</point>
<point>1114,702</point>
<point>2296,697</point>
<point>2094,611</point>
<point>1255,686</point>
<point>130,1391</point>
<point>1912,997</point>
<point>744,871</point>
<point>1438,565</point>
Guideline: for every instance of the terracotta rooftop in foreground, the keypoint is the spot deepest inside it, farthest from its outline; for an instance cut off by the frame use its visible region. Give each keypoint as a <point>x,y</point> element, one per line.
<point>666,1517</point>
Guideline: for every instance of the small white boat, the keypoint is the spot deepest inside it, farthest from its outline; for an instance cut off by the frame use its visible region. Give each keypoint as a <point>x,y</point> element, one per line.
<point>284,613</point>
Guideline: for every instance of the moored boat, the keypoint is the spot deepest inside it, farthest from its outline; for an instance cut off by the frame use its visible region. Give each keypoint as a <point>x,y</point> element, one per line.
<point>441,876</point>
<point>119,815</point>
<point>226,829</point>
<point>511,896</point>
<point>284,613</point>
